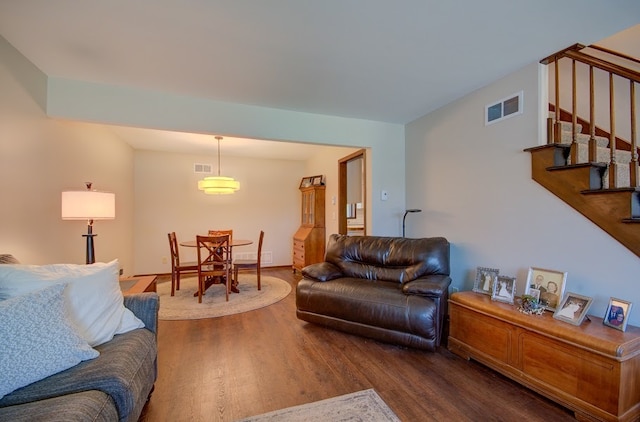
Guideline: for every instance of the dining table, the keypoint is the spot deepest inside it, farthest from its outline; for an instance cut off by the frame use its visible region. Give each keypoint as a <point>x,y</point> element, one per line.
<point>232,244</point>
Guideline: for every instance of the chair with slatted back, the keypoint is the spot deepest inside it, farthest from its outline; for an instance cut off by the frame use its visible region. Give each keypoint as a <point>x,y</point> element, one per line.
<point>250,263</point>
<point>230,233</point>
<point>214,260</point>
<point>178,267</point>
<point>221,233</point>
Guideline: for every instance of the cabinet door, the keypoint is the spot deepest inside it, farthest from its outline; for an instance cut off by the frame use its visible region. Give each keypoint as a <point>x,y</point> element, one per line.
<point>308,208</point>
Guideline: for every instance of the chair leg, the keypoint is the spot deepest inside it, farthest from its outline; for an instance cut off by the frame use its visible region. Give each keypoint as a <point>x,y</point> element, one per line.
<point>173,282</point>
<point>200,283</point>
<point>228,284</point>
<point>177,280</point>
<point>258,276</point>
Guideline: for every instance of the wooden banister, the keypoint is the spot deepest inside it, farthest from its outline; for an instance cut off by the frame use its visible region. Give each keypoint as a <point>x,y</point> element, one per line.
<point>614,53</point>
<point>578,53</point>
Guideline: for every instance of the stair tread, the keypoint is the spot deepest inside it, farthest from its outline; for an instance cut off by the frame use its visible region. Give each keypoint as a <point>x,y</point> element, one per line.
<point>608,190</point>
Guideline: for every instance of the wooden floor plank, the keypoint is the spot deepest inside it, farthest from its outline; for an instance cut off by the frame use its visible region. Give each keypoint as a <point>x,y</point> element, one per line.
<point>224,369</point>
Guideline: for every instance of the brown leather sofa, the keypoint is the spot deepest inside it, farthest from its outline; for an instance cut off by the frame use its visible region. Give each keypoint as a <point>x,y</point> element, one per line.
<point>389,289</point>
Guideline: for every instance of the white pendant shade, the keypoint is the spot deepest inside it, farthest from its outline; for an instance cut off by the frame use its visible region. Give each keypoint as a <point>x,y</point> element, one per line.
<point>218,185</point>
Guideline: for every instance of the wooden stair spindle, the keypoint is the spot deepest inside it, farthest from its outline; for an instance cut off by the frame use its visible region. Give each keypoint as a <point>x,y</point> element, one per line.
<point>613,171</point>
<point>634,142</point>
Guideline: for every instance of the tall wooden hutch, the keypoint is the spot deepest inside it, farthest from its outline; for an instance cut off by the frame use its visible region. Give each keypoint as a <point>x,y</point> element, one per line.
<point>309,240</point>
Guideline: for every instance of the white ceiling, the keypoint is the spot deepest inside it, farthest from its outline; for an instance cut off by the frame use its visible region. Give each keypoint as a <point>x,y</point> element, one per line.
<point>390,61</point>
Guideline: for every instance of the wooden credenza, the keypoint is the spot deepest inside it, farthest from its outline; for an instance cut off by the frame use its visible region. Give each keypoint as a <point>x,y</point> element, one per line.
<point>591,369</point>
<point>309,239</point>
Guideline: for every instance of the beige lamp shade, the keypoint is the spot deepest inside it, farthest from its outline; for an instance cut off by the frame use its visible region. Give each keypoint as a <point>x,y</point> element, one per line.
<point>88,205</point>
<point>218,185</point>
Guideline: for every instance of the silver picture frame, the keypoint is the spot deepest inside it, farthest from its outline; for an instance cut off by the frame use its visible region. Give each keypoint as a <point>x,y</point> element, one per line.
<point>573,308</point>
<point>485,278</point>
<point>617,314</point>
<point>504,289</point>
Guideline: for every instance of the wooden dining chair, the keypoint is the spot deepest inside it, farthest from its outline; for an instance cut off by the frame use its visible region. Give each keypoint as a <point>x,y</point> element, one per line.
<point>250,263</point>
<point>178,267</point>
<point>214,260</point>
<point>222,232</point>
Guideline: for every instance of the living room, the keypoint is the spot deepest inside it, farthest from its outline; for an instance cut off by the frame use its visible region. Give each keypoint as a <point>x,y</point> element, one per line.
<point>472,182</point>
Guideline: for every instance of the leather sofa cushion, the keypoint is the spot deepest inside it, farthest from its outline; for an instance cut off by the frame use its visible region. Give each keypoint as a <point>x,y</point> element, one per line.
<point>388,258</point>
<point>372,303</point>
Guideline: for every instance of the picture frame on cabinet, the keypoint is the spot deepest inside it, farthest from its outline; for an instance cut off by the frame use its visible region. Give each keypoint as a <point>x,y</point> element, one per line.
<point>617,314</point>
<point>306,182</point>
<point>504,289</point>
<point>573,308</point>
<point>316,180</point>
<point>550,283</point>
<point>484,280</point>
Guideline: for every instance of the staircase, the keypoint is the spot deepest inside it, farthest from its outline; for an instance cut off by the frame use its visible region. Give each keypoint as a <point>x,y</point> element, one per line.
<point>579,166</point>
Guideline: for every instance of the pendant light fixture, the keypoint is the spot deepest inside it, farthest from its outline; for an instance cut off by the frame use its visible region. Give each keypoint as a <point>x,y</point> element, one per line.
<point>218,185</point>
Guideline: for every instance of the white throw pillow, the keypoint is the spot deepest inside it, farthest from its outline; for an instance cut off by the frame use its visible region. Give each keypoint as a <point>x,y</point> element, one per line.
<point>93,297</point>
<point>37,339</point>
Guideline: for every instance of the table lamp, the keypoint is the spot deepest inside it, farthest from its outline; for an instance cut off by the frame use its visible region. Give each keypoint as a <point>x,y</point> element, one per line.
<point>88,205</point>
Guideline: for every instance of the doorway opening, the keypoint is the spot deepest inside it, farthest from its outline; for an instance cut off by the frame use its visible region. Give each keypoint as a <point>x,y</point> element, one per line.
<point>352,211</point>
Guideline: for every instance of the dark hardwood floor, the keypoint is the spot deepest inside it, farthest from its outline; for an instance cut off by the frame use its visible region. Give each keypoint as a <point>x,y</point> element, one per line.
<point>227,368</point>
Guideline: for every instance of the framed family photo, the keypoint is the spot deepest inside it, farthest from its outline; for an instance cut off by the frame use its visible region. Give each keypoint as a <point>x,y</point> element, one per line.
<point>617,314</point>
<point>504,289</point>
<point>573,308</point>
<point>306,182</point>
<point>484,280</point>
<point>547,285</point>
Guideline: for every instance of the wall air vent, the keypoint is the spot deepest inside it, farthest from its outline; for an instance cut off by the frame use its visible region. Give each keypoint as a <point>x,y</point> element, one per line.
<point>202,168</point>
<point>503,109</point>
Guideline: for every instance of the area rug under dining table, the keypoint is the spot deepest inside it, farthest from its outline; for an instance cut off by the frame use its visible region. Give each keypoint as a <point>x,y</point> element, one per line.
<point>365,406</point>
<point>185,306</point>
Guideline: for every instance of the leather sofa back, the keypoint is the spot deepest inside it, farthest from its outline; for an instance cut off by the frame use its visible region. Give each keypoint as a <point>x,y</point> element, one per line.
<point>388,258</point>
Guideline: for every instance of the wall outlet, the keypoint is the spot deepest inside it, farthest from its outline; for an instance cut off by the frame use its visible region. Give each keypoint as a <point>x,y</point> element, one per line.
<point>164,260</point>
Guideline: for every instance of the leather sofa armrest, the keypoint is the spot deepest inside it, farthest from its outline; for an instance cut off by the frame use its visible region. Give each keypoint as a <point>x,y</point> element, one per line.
<point>322,271</point>
<point>431,286</point>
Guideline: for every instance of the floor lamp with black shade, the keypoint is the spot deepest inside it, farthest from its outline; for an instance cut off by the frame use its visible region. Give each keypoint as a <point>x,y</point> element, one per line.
<point>88,205</point>
<point>405,216</point>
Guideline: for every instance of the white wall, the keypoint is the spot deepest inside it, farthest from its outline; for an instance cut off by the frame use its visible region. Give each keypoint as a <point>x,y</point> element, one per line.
<point>474,185</point>
<point>134,107</point>
<point>167,199</point>
<point>41,157</point>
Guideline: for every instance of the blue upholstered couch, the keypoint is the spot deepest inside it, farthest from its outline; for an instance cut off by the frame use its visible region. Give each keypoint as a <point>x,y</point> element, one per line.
<point>112,387</point>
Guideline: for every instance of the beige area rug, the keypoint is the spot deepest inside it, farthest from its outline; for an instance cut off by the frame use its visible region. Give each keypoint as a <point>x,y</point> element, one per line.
<point>365,405</point>
<point>185,306</point>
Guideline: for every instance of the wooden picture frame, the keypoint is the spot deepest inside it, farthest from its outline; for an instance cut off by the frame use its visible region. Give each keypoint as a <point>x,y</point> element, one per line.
<point>316,180</point>
<point>504,289</point>
<point>617,314</point>
<point>484,280</point>
<point>573,308</point>
<point>306,182</point>
<point>550,284</point>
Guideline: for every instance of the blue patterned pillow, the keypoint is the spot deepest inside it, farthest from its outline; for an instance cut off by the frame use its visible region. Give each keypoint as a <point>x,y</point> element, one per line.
<point>37,339</point>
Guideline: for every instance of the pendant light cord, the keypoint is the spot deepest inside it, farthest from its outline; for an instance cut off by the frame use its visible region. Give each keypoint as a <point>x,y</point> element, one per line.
<point>218,138</point>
